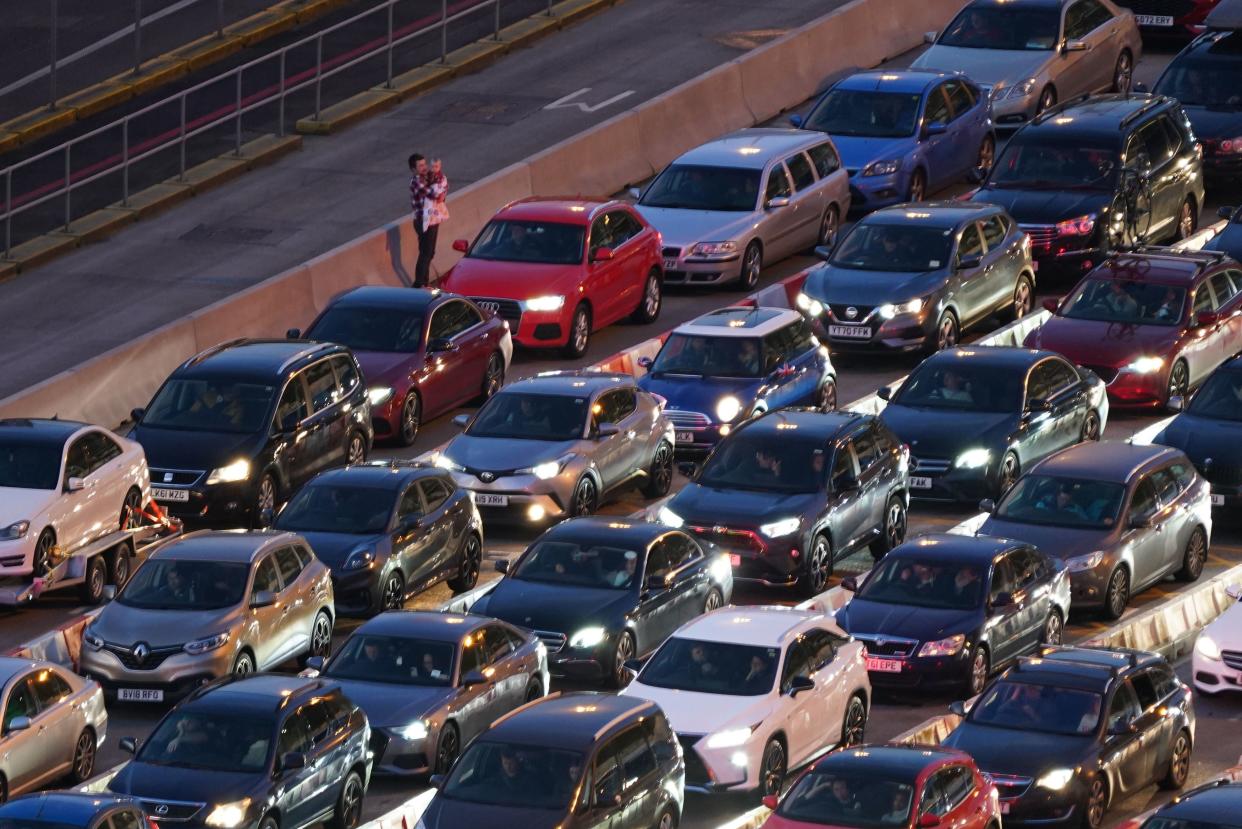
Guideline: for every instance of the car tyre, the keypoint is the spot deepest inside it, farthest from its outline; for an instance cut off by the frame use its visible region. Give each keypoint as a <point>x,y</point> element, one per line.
<point>44,548</point>
<point>854,723</point>
<point>471,565</point>
<point>585,498</point>
<point>92,589</point>
<point>1095,804</point>
<point>666,820</point>
<point>918,186</point>
<point>986,157</point>
<point>826,396</point>
<point>493,378</point>
<point>447,748</point>
<point>348,812</point>
<point>1123,73</point>
<point>818,567</point>
<point>1187,220</point>
<point>129,509</point>
<point>1179,381</point>
<point>392,593</point>
<point>1117,593</point>
<point>624,652</point>
<point>1179,763</point>
<point>83,758</point>
<point>266,497</point>
<point>244,664</point>
<point>893,530</point>
<point>120,566</point>
<point>980,670</point>
<point>1023,298</point>
<point>1054,629</point>
<point>1090,427</point>
<point>714,601</point>
<point>411,419</point>
<point>652,299</point>
<point>320,637</point>
<point>946,334</point>
<point>579,332</point>
<point>1047,100</point>
<point>355,449</point>
<point>773,767</point>
<point>1007,475</point>
<point>829,228</point>
<point>534,689</point>
<point>1194,557</point>
<point>660,473</point>
<point>752,267</point>
<point>269,822</point>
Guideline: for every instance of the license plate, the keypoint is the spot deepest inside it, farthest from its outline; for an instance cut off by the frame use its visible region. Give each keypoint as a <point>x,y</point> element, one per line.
<point>854,332</point>
<point>884,666</point>
<point>140,695</point>
<point>670,264</point>
<point>1004,804</point>
<point>735,559</point>
<point>485,499</point>
<point>1218,500</point>
<point>685,437</point>
<point>160,493</point>
<point>920,483</point>
<point>1153,20</point>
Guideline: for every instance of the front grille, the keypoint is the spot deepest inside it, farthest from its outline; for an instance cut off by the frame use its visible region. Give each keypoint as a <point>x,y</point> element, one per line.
<point>175,477</point>
<point>929,466</point>
<point>12,561</point>
<point>1106,373</point>
<point>171,811</point>
<point>1164,8</point>
<point>670,253</point>
<point>506,309</point>
<point>1221,474</point>
<point>877,645</point>
<point>1232,658</point>
<point>1010,786</point>
<point>1042,236</point>
<point>741,541</point>
<point>696,773</point>
<point>552,640</point>
<point>689,420</point>
<point>841,312</point>
<point>153,658</point>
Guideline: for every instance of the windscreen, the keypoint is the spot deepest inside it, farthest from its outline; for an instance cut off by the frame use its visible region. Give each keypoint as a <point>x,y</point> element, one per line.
<point>998,27</point>
<point>712,668</point>
<point>701,356</point>
<point>1034,163</point>
<point>389,330</point>
<point>903,248</point>
<point>756,461</point>
<point>329,508</point>
<point>397,660</point>
<point>520,416</point>
<point>1126,301</point>
<point>838,798</point>
<point>29,465</point>
<point>545,243</point>
<point>210,405</point>
<point>1207,83</point>
<point>215,741</point>
<point>697,187</point>
<point>1024,706</point>
<point>868,113</point>
<point>1063,502</point>
<point>505,774</point>
<point>173,584</point>
<point>581,565</point>
<point>963,385</point>
<point>1220,398</point>
<point>926,582</point>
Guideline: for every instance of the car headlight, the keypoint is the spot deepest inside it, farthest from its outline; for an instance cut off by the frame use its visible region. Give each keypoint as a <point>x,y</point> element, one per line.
<point>416,730</point>
<point>442,460</point>
<point>1021,90</point>
<point>1207,648</point>
<point>882,168</point>
<point>778,529</point>
<point>973,458</point>
<point>91,640</point>
<point>379,394</point>
<point>229,815</point>
<point>551,302</point>
<point>729,738</point>
<point>1090,561</point>
<point>587,637</point>
<point>668,517</point>
<point>728,408</point>
<point>812,306</point>
<point>207,643</point>
<point>889,310</point>
<point>1056,779</point>
<point>1077,226</point>
<point>16,530</point>
<point>714,249</point>
<point>547,470</point>
<point>238,470</point>
<point>1146,365</point>
<point>359,559</point>
<point>944,647</point>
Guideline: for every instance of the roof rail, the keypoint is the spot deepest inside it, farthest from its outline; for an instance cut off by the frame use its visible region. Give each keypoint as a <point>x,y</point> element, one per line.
<point>211,351</point>
<point>1141,111</point>
<point>304,353</point>
<point>1057,109</point>
<point>1131,654</point>
<point>1203,258</point>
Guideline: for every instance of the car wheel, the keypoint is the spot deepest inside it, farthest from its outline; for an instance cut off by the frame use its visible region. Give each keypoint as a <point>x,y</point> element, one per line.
<point>348,813</point>
<point>854,725</point>
<point>534,689</point>
<point>1179,763</point>
<point>624,653</point>
<point>1023,298</point>
<point>265,498</point>
<point>44,548</point>
<point>666,820</point>
<point>1054,630</point>
<point>355,449</point>
<point>1096,804</point>
<point>1187,221</point>
<point>986,157</point>
<point>120,567</point>
<point>585,498</point>
<point>980,670</point>
<point>660,473</point>
<point>829,228</point>
<point>826,396</point>
<point>1008,474</point>
<point>714,601</point>
<point>471,564</point>
<point>493,378</point>
<point>269,822</point>
<point>83,757</point>
<point>92,589</point>
<point>946,334</point>
<point>818,567</point>
<point>893,532</point>
<point>392,595</point>
<point>649,303</point>
<point>4,789</point>
<point>918,186</point>
<point>1194,557</point>
<point>1047,100</point>
<point>447,749</point>
<point>1117,593</point>
<point>1123,73</point>
<point>244,664</point>
<point>411,419</point>
<point>321,636</point>
<point>772,769</point>
<point>130,517</point>
<point>1179,381</point>
<point>579,332</point>
<point>752,266</point>
<point>1090,427</point>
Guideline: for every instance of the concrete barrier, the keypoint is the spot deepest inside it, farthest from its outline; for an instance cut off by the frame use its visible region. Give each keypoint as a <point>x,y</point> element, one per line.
<point>62,646</point>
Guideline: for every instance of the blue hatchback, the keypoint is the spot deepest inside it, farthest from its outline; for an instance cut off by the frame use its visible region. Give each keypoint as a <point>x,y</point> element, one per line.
<point>905,133</point>
<point>733,364</point>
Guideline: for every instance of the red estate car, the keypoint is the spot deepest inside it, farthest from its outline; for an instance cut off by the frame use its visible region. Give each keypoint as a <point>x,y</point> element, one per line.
<point>422,352</point>
<point>559,268</point>
<point>1152,323</point>
<point>872,786</point>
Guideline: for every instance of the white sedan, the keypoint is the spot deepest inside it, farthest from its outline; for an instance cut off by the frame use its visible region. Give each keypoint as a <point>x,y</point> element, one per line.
<point>63,485</point>
<point>1217,662</point>
<point>755,692</point>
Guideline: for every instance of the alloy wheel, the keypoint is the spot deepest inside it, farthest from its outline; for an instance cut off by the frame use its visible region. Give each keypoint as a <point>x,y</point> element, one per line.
<point>946,332</point>
<point>978,671</point>
<point>411,418</point>
<point>1123,74</point>
<point>446,751</point>
<point>1185,220</point>
<point>84,756</point>
<point>1008,475</point>
<point>1091,427</point>
<point>471,560</point>
<point>1118,593</point>
<point>660,477</point>
<point>651,298</point>
<point>129,512</point>
<point>356,452</point>
<point>394,592</point>
<point>495,377</point>
<point>582,330</point>
<point>819,565</point>
<point>1023,299</point>
<point>772,771</point>
<point>1179,380</point>
<point>321,636</point>
<point>624,653</point>
<point>829,228</point>
<point>244,665</point>
<point>918,186</point>
<point>1096,801</point>
<point>43,553</point>
<point>854,728</point>
<point>826,397</point>
<point>1054,630</point>
<point>987,157</point>
<point>752,266</point>
<point>895,525</point>
<point>1047,100</point>
<point>351,803</point>
<point>714,601</point>
<point>1179,762</point>
<point>584,497</point>
<point>1196,556</point>
<point>267,496</point>
<point>667,821</point>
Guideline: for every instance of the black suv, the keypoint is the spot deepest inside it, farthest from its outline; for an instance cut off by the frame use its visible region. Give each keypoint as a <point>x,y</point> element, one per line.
<point>1093,174</point>
<point>1095,726</point>
<point>238,428</point>
<point>792,492</point>
<point>569,761</point>
<point>1204,79</point>
<point>251,753</point>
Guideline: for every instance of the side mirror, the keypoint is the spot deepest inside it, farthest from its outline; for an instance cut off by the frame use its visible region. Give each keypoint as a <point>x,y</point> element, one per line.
<point>636,193</point>
<point>291,760</point>
<point>263,598</point>
<point>1038,404</point>
<point>502,565</point>
<point>846,483</point>
<point>796,120</point>
<point>645,362</point>
<point>607,430</point>
<point>75,485</point>
<point>289,423</point>
<point>266,516</point>
<point>1119,729</point>
<point>1003,601</point>
<point>930,130</point>
<point>1075,46</point>
<point>601,255</point>
<point>634,665</point>
<point>461,421</point>
<point>987,505</point>
<point>315,663</point>
<point>1139,86</point>
<point>136,414</point>
<point>410,523</point>
<point>799,684</point>
<point>929,37</point>
<point>1176,403</point>
<point>689,469</point>
<point>1206,319</point>
<point>655,583</point>
<point>473,678</point>
<point>1141,522</point>
<point>436,781</point>
<point>969,263</point>
<point>1052,304</point>
<point>128,745</point>
<point>461,245</point>
<point>19,724</point>
<point>440,345</point>
<point>777,202</point>
<point>849,584</point>
<point>823,253</point>
<point>884,393</point>
<point>294,333</point>
<point>958,707</point>
<point>1226,212</point>
<point>928,820</point>
<point>770,802</point>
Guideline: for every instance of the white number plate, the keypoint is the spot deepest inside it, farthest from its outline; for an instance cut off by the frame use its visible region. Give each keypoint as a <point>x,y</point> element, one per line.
<point>685,437</point>
<point>670,264</point>
<point>1153,20</point>
<point>1218,500</point>
<point>735,559</point>
<point>160,493</point>
<point>884,666</point>
<point>486,499</point>
<point>140,695</point>
<point>920,483</point>
<point>855,332</point>
<point>1004,804</point>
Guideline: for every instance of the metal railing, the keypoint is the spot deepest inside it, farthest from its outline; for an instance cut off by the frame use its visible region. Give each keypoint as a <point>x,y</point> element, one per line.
<point>129,154</point>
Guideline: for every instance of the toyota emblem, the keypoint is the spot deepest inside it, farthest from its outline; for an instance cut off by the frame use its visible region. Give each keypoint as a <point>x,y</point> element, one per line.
<point>141,651</point>
<point>851,312</point>
<point>487,477</point>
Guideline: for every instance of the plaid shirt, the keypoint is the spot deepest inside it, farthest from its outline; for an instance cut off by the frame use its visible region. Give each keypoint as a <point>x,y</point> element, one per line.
<point>422,191</point>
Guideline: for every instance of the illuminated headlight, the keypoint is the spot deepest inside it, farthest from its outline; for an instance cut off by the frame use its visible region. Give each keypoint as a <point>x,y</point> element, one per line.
<point>784,527</point>
<point>359,559</point>
<point>207,643</point>
<point>812,306</point>
<point>229,815</point>
<point>1078,564</point>
<point>238,470</point>
<point>728,408</point>
<point>552,302</point>
<point>379,394</point>
<point>882,168</point>
<point>1207,648</point>
<point>943,647</point>
<point>91,641</point>
<point>720,568</point>
<point>888,310</point>
<point>547,470</point>
<point>1146,365</point>
<point>1056,779</point>
<point>670,518</point>
<point>16,530</point>
<point>1019,90</point>
<point>714,249</point>
<point>1078,226</point>
<point>587,637</point>
<point>416,730</point>
<point>973,458</point>
<point>442,460</point>
<point>729,738</point>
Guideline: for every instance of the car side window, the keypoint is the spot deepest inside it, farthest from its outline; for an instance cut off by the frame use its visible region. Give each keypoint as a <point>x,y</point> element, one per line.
<point>630,223</point>
<point>621,227</point>
<point>607,777</point>
<point>843,466</point>
<point>434,491</point>
<point>1059,376</point>
<point>49,688</point>
<point>1155,143</point>
<point>635,757</point>
<point>994,231</point>
<point>496,644</point>
<point>932,801</point>
<point>1166,483</point>
<point>1185,475</point>
<point>601,234</point>
<point>292,408</point>
<point>1145,689</point>
<point>865,450</point>
<point>1077,21</point>
<point>1223,288</point>
<point>78,459</point>
<point>1097,13</point>
<point>21,703</point>
<point>624,402</point>
<point>104,449</point>
<point>797,663</point>
<point>661,738</point>
<point>1235,279</point>
<point>318,723</point>
<point>1163,680</point>
<point>957,785</point>
<point>971,243</point>
<point>937,110</point>
<point>347,377</point>
<point>778,184</point>
<point>960,98</point>
<point>293,735</point>
<point>288,564</point>
<point>1143,503</point>
<point>321,385</point>
<point>266,577</point>
<point>1025,566</point>
<point>1172,135</point>
<point>660,559</point>
<point>1203,300</point>
<point>775,351</point>
<point>473,654</point>
<point>822,648</point>
<point>825,158</point>
<point>800,168</point>
<point>1124,707</point>
<point>1002,578</point>
<point>411,505</point>
<point>304,555</point>
<point>682,549</point>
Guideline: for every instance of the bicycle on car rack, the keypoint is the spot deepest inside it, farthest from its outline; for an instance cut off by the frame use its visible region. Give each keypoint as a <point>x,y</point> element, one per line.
<point>1133,207</point>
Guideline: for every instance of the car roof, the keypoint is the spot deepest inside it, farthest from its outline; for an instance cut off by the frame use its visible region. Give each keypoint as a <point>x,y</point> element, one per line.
<point>422,624</point>
<point>1102,117</point>
<point>1225,43</point>
<point>975,4</point>
<point>223,545</point>
<point>572,721</point>
<point>894,80</point>
<point>978,549</point>
<point>39,429</point>
<point>258,693</point>
<point>739,321</point>
<point>11,666</point>
<point>258,359</point>
<point>613,530</point>
<point>752,148</point>
<point>934,213</point>
<point>573,382</point>
<point>378,474</point>
<point>1078,667</point>
<point>575,210</point>
<point>889,759</point>
<point>61,806</point>
<point>1105,460</point>
<point>1217,802</point>
<point>1004,356</point>
<point>759,625</point>
<point>387,296</point>
<point>1160,266</point>
<point>804,422</point>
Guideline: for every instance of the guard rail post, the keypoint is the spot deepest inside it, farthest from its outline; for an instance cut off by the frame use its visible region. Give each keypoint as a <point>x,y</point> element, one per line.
<point>68,189</point>
<point>181,171</point>
<point>125,163</point>
<point>496,4</point>
<point>388,83</point>
<point>137,36</point>
<point>443,31</point>
<point>280,120</point>
<point>51,99</point>
<point>237,133</point>
<point>8,210</point>
<point>318,72</point>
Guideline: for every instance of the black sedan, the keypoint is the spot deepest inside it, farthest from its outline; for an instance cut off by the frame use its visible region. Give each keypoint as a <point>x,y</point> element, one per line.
<point>790,493</point>
<point>600,591</point>
<point>946,610</point>
<point>1229,240</point>
<point>1094,726</point>
<point>388,530</point>
<point>974,418</point>
<point>1214,805</point>
<point>1208,431</point>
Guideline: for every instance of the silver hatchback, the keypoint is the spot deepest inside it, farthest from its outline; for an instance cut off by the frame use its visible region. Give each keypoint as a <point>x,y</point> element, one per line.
<point>754,196</point>
<point>207,605</point>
